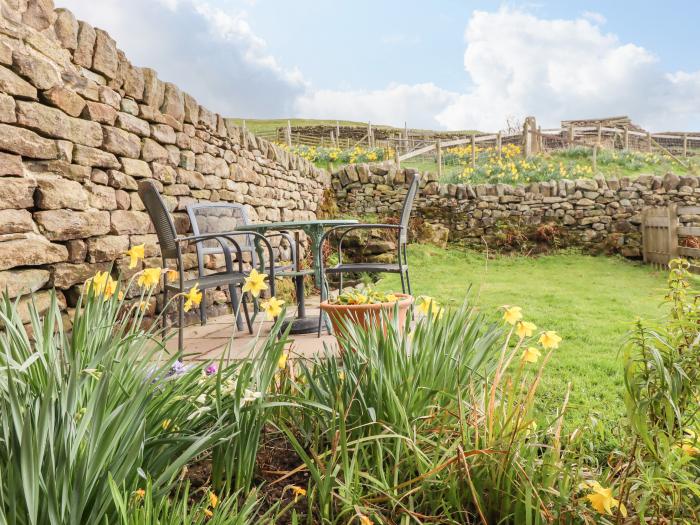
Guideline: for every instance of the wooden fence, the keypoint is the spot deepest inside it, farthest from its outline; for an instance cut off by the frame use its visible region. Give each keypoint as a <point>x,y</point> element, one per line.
<point>664,237</point>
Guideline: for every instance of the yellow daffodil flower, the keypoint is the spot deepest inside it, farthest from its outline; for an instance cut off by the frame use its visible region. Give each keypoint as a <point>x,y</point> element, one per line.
<point>282,361</point>
<point>549,340</point>
<point>602,500</point>
<point>192,298</point>
<point>525,329</point>
<point>364,520</point>
<point>102,283</point>
<point>272,307</point>
<point>172,275</point>
<point>255,283</point>
<point>136,253</point>
<point>690,449</point>
<point>149,278</point>
<point>165,424</point>
<point>208,513</point>
<point>512,314</point>
<point>298,491</point>
<point>426,304</point>
<point>139,494</point>
<point>213,500</point>
<point>531,355</point>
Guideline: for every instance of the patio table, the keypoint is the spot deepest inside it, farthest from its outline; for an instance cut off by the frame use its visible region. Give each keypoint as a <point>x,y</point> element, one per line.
<point>302,324</point>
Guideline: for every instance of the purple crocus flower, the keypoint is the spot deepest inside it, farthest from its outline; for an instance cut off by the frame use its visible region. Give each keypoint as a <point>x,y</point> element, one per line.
<point>177,368</point>
<point>211,370</point>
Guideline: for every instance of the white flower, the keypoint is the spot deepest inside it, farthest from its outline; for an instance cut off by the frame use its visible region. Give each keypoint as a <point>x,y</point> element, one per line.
<point>249,396</point>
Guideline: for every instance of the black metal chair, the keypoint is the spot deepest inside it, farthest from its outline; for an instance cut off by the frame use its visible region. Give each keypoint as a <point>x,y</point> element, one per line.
<point>171,248</point>
<point>401,264</point>
<point>224,217</point>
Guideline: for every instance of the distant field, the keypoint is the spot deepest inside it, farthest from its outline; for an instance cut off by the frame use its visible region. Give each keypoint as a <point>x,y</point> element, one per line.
<point>265,125</point>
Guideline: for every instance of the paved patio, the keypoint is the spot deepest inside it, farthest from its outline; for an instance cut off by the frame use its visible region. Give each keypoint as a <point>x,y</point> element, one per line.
<point>211,341</point>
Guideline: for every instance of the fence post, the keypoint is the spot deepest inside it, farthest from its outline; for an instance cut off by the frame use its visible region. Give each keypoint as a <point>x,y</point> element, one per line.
<point>438,148</point>
<point>289,133</point>
<point>499,144</point>
<point>627,139</point>
<point>672,232</point>
<point>337,133</point>
<point>527,139</point>
<point>473,151</point>
<point>685,145</point>
<point>244,136</point>
<point>369,134</point>
<point>397,158</point>
<point>571,136</point>
<point>649,141</point>
<point>600,134</point>
<point>594,158</point>
<point>645,235</point>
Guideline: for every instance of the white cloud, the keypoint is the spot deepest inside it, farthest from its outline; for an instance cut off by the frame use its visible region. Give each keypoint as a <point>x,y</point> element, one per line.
<point>416,104</point>
<point>557,69</point>
<point>515,64</point>
<point>211,53</point>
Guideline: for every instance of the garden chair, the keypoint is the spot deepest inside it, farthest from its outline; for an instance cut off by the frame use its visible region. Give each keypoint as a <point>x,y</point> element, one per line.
<point>401,264</point>
<point>215,217</point>
<point>171,248</point>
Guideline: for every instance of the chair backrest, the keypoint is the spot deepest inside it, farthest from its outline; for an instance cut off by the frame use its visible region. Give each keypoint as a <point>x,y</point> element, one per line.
<point>408,206</point>
<point>160,217</point>
<point>216,217</point>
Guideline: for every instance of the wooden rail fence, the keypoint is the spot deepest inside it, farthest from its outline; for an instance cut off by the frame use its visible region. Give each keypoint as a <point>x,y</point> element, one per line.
<point>665,238</point>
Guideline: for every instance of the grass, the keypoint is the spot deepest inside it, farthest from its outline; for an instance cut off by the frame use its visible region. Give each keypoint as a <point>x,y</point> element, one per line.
<point>265,125</point>
<point>590,301</point>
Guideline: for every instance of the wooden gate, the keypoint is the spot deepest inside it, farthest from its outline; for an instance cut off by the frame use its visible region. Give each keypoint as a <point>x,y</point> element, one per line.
<point>663,237</point>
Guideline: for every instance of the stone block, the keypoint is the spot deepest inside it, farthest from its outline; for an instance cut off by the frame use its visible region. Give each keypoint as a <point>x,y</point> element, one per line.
<point>66,28</point>
<point>154,89</point>
<point>133,82</point>
<point>133,124</point>
<point>173,102</point>
<point>55,123</point>
<point>101,197</point>
<point>163,133</point>
<point>104,59</point>
<point>65,99</point>
<point>16,193</point>
<point>193,179</point>
<point>21,282</point>
<point>62,225</point>
<point>98,112</point>
<point>11,165</point>
<point>55,194</point>
<point>7,109</point>
<point>65,275</point>
<point>86,45</point>
<point>12,84</point>
<point>136,168</point>
<point>152,151</point>
<point>94,157</point>
<point>121,142</point>
<point>29,250</point>
<point>121,181</point>
<point>130,222</point>
<point>41,72</point>
<point>39,14</point>
<point>16,221</point>
<point>26,143</point>
<point>107,248</point>
<point>77,250</point>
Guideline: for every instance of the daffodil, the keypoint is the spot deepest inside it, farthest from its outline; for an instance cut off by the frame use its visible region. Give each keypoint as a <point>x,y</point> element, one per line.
<point>165,424</point>
<point>364,520</point>
<point>136,253</point>
<point>213,500</point>
<point>525,329</point>
<point>139,494</point>
<point>531,355</point>
<point>255,283</point>
<point>512,314</point>
<point>426,304</point>
<point>102,283</point>
<point>602,500</point>
<point>549,339</point>
<point>192,298</point>
<point>172,275</point>
<point>149,278</point>
<point>298,491</point>
<point>208,513</point>
<point>690,449</point>
<point>272,307</point>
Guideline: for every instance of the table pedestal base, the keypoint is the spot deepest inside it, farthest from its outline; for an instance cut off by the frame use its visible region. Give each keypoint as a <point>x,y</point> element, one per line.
<point>303,325</point>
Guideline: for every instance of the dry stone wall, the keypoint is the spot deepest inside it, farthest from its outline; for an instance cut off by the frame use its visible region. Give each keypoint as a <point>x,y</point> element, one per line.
<point>598,214</point>
<point>80,125</point>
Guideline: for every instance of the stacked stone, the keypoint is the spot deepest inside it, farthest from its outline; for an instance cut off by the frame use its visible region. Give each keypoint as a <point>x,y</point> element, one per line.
<point>601,214</point>
<point>80,126</point>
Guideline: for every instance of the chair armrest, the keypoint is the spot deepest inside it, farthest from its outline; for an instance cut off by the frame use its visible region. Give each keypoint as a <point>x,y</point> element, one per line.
<point>229,236</point>
<point>288,237</point>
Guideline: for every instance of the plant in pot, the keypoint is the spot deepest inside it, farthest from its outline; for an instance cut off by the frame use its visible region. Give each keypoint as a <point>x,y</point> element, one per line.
<point>366,307</point>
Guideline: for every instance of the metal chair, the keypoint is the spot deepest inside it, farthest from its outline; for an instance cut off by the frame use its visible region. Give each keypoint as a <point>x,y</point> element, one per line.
<point>401,264</point>
<point>216,217</point>
<point>171,249</point>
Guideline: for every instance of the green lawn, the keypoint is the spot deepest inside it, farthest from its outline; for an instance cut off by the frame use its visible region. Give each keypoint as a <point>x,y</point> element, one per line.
<point>590,301</point>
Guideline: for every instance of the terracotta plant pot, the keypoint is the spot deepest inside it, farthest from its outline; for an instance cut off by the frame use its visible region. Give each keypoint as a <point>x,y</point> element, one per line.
<point>366,315</point>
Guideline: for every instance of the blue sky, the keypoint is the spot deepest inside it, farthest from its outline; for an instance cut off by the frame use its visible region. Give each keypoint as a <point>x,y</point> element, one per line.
<point>440,64</point>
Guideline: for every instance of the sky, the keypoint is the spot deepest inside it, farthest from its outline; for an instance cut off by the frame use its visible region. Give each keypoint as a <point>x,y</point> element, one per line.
<point>444,64</point>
